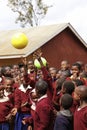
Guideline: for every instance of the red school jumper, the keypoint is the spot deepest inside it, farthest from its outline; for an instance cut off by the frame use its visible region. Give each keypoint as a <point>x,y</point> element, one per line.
<point>44,117</point>
<point>80,119</point>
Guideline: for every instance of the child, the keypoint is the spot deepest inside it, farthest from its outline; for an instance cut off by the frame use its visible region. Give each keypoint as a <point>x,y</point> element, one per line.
<point>80,115</point>
<point>22,103</point>
<point>65,69</point>
<point>84,74</point>
<point>44,117</point>
<point>8,91</point>
<point>68,87</point>
<point>64,119</point>
<point>29,120</point>
<point>5,109</point>
<point>75,69</point>
<point>58,94</point>
<point>6,71</point>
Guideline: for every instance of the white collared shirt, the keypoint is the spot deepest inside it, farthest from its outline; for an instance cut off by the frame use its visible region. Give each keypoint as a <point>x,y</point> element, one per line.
<point>4,99</point>
<point>44,96</point>
<point>23,89</point>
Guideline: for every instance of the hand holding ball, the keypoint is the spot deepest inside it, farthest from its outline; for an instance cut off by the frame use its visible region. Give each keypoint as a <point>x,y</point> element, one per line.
<point>19,40</point>
<point>37,63</point>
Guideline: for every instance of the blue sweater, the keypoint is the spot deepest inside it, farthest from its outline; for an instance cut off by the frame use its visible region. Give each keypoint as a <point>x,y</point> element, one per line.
<point>63,122</point>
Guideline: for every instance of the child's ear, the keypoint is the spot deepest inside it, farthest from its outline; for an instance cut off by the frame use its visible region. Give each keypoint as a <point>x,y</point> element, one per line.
<point>79,95</point>
<point>60,102</point>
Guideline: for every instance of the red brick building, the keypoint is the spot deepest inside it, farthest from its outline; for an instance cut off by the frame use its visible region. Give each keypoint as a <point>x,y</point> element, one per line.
<point>57,42</point>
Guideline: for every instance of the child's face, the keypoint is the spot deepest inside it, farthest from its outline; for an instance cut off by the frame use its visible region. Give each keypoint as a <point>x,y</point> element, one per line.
<point>76,94</point>
<point>16,68</point>
<point>8,85</point>
<point>30,65</point>
<point>22,70</point>
<point>75,70</point>
<point>64,65</point>
<point>53,73</point>
<point>34,96</point>
<point>40,74</point>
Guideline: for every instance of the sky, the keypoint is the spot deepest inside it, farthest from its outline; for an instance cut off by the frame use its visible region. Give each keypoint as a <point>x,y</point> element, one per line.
<point>62,11</point>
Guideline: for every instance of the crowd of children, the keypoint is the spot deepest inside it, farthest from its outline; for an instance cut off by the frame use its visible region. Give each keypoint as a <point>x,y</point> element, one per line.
<point>45,98</point>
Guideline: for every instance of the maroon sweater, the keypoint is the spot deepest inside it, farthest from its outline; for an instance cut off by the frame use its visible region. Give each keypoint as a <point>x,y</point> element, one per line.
<point>80,119</point>
<point>44,117</point>
<point>22,97</point>
<point>5,108</point>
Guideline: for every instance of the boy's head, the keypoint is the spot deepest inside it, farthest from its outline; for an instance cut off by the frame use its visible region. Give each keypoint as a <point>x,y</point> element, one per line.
<point>76,68</point>
<point>31,65</point>
<point>8,84</point>
<point>68,87</point>
<point>40,74</point>
<point>64,65</point>
<point>81,64</point>
<point>78,82</point>
<point>41,88</point>
<point>66,101</point>
<point>80,93</point>
<point>6,71</point>
<point>59,83</point>
<point>53,73</point>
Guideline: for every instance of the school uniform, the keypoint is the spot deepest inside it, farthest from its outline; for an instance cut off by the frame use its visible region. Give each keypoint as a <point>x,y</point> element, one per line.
<point>80,119</point>
<point>22,103</point>
<point>33,104</point>
<point>30,79</point>
<point>64,121</point>
<point>51,83</point>
<point>74,106</point>
<point>44,117</point>
<point>10,95</point>
<point>5,108</point>
<point>56,100</point>
<point>71,78</point>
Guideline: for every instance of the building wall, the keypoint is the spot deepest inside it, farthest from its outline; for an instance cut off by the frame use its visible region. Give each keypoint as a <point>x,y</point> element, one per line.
<point>64,46</point>
<point>4,62</point>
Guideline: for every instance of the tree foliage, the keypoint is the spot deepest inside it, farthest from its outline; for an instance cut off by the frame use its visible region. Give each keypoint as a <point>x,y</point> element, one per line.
<point>30,12</point>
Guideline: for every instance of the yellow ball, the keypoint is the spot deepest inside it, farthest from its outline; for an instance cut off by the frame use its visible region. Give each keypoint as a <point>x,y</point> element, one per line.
<point>19,40</point>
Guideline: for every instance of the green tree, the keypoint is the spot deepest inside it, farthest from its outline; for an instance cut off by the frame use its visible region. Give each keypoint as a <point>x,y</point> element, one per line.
<point>30,12</point>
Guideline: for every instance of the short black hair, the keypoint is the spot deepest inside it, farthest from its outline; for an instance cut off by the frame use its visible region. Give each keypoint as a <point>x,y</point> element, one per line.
<point>66,101</point>
<point>78,65</point>
<point>69,87</point>
<point>83,93</point>
<point>41,86</point>
<point>59,83</point>
<point>78,82</point>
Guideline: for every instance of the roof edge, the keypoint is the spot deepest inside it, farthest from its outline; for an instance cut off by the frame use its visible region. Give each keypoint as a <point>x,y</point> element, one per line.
<point>77,34</point>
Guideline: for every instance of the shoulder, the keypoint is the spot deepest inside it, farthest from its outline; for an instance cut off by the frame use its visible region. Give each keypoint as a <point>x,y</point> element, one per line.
<point>61,123</point>
<point>81,113</point>
<point>61,118</point>
<point>44,102</point>
<point>44,105</point>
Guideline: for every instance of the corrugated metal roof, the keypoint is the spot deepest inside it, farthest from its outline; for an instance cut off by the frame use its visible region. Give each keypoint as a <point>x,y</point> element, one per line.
<point>37,36</point>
